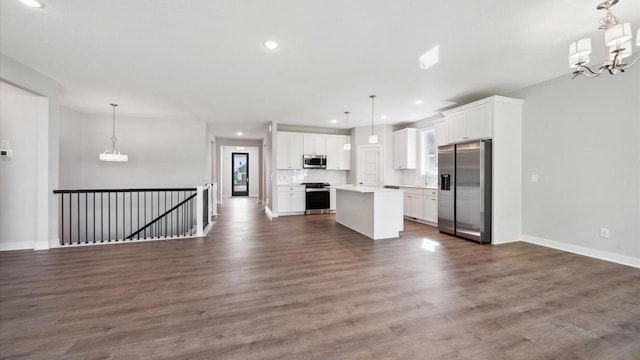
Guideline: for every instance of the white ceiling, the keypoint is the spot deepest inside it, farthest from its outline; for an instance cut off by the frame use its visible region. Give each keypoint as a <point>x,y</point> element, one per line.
<point>204,59</point>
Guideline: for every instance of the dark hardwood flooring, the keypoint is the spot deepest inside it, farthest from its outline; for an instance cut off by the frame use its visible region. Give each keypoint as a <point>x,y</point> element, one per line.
<point>307,288</point>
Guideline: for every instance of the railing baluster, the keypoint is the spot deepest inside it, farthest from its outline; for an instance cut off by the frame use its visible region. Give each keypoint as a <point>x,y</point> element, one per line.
<point>86,220</point>
<point>131,213</point>
<point>101,217</point>
<point>94,218</point>
<point>116,229</point>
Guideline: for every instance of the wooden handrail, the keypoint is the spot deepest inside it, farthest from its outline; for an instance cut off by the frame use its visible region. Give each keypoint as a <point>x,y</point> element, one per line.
<point>82,191</point>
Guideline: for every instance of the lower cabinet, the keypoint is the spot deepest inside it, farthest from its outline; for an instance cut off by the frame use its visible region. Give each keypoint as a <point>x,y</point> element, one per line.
<point>430,207</point>
<point>413,205</point>
<point>421,204</point>
<point>291,199</point>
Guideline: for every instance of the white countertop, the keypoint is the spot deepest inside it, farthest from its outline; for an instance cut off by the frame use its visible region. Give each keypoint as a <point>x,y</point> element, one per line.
<point>363,189</point>
<point>415,186</point>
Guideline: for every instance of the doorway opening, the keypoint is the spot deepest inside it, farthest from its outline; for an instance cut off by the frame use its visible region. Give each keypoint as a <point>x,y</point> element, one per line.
<point>239,174</point>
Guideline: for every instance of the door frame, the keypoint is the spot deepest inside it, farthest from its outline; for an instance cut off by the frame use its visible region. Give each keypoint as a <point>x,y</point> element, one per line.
<point>380,163</point>
<point>233,190</point>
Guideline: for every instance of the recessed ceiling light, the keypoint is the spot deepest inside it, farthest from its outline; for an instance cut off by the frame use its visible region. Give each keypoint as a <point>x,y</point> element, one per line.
<point>418,102</point>
<point>383,117</point>
<point>334,121</point>
<point>32,3</point>
<point>270,44</point>
<point>239,133</point>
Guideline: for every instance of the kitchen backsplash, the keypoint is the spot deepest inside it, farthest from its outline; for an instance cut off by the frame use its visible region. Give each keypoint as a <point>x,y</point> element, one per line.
<point>333,177</point>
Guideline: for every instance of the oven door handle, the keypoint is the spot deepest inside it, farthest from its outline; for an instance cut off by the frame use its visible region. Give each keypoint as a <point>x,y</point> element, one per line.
<point>316,190</point>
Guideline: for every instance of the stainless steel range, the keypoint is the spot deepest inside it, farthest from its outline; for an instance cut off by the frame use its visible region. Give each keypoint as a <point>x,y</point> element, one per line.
<point>317,198</point>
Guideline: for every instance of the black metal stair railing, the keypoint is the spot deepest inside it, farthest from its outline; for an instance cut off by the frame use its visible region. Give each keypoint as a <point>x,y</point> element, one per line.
<point>117,215</point>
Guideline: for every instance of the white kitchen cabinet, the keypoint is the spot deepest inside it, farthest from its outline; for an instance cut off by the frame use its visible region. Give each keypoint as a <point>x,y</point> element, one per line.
<point>430,206</point>
<point>442,134</point>
<point>315,144</point>
<point>289,151</point>
<point>337,157</point>
<point>413,202</point>
<point>291,199</point>
<point>404,149</point>
<point>421,204</point>
<point>469,124</point>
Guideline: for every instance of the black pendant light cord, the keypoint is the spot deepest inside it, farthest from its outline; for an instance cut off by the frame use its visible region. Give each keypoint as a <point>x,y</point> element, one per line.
<point>346,125</point>
<point>372,109</point>
<point>113,138</point>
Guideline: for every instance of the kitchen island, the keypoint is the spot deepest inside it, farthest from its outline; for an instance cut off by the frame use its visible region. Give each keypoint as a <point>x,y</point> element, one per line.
<point>374,212</point>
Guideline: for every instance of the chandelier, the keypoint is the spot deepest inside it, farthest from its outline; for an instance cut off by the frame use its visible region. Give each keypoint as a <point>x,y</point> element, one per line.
<point>113,154</point>
<point>617,37</point>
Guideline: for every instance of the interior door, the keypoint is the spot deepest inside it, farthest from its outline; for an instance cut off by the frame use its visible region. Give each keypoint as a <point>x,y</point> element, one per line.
<point>369,165</point>
<point>239,174</point>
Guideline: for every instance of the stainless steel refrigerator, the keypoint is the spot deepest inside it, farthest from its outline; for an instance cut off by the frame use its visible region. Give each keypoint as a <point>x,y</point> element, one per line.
<point>464,195</point>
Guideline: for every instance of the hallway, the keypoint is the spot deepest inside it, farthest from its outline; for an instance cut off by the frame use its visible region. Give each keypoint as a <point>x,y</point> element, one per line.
<point>304,287</point>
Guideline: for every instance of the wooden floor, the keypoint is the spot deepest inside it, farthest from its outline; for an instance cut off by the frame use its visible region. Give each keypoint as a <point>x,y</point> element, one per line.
<point>306,288</point>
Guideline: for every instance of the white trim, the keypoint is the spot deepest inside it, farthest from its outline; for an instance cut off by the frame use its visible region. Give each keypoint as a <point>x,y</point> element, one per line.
<point>113,242</point>
<point>17,245</point>
<point>269,212</point>
<point>598,254</point>
<point>42,245</point>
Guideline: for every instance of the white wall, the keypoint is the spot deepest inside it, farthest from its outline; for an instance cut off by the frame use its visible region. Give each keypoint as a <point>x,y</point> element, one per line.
<point>45,216</point>
<point>582,138</point>
<point>162,153</point>
<point>254,166</point>
<point>19,115</point>
<point>70,149</point>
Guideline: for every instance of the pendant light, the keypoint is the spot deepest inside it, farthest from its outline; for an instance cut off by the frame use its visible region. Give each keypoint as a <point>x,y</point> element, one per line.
<point>373,139</point>
<point>113,154</point>
<point>347,145</point>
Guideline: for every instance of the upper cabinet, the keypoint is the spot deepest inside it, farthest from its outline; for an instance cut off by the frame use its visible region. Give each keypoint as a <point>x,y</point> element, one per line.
<point>337,157</point>
<point>315,144</point>
<point>442,133</point>
<point>404,149</point>
<point>292,146</point>
<point>289,151</point>
<point>470,123</point>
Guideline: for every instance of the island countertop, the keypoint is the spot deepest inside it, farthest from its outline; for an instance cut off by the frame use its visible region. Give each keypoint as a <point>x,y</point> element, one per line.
<point>372,211</point>
<point>363,189</point>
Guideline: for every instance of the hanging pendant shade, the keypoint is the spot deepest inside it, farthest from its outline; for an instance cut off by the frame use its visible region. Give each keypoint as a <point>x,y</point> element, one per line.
<point>113,154</point>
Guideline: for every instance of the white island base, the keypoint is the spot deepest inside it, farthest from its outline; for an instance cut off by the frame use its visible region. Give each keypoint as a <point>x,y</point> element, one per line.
<point>374,212</point>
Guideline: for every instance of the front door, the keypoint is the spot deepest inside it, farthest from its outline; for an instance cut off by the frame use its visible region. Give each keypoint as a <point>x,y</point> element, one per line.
<point>239,174</point>
<point>369,165</point>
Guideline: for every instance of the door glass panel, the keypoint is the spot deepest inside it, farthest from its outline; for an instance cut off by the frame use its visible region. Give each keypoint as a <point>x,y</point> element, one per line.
<point>240,174</point>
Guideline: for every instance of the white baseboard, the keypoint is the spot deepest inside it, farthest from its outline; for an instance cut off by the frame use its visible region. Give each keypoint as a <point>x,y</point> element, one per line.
<point>598,254</point>
<point>269,213</point>
<point>44,245</point>
<point>10,246</point>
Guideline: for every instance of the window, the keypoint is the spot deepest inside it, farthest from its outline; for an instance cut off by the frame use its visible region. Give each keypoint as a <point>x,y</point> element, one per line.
<point>428,157</point>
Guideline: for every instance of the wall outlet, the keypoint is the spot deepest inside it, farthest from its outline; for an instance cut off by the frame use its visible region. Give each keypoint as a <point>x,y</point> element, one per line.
<point>604,233</point>
<point>534,178</point>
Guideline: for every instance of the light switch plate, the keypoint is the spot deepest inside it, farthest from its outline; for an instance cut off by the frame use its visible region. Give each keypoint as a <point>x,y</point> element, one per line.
<point>534,178</point>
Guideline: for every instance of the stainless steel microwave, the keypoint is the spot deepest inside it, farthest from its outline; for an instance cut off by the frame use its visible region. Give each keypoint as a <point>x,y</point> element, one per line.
<point>314,161</point>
